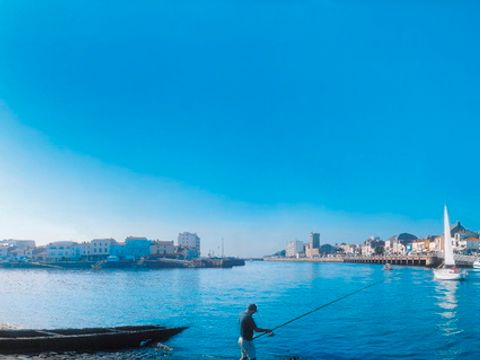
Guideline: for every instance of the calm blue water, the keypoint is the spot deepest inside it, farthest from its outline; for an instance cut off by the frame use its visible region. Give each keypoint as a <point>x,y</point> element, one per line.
<point>408,316</point>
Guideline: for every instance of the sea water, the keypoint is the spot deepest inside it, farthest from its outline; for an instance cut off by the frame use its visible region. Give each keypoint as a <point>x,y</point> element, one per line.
<point>408,315</point>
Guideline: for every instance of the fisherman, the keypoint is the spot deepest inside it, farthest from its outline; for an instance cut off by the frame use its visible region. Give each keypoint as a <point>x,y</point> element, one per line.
<point>247,327</point>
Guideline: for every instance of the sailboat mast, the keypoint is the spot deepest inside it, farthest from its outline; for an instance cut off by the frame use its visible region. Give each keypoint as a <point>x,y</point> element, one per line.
<point>447,239</point>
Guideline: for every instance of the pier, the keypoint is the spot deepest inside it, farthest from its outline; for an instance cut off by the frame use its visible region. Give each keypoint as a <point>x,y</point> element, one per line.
<point>416,260</point>
<point>426,260</point>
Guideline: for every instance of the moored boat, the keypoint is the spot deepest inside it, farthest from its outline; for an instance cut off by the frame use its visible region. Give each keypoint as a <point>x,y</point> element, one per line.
<point>476,264</point>
<point>83,340</point>
<point>387,267</point>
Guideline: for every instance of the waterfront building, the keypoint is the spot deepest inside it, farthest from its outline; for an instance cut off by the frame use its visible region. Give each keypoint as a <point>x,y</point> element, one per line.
<point>162,248</point>
<point>28,252</point>
<point>373,245</point>
<point>16,249</point>
<point>425,245</point>
<point>399,244</point>
<point>101,247</point>
<point>311,252</point>
<point>460,240</point>
<point>85,249</point>
<point>348,249</point>
<point>473,244</point>
<point>97,248</point>
<point>314,240</point>
<point>438,242</point>
<point>190,244</point>
<point>19,252</point>
<point>295,249</point>
<point>367,249</point>
<point>136,247</point>
<point>40,253</point>
<point>63,250</point>
<point>23,244</point>
<point>118,250</point>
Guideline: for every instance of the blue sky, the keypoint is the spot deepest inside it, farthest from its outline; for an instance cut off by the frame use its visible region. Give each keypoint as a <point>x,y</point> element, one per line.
<point>255,121</point>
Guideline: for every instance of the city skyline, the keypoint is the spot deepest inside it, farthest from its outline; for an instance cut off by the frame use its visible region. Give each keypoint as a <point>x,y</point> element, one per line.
<point>251,126</point>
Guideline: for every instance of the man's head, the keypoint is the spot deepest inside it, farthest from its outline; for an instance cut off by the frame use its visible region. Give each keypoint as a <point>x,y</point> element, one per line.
<point>252,308</point>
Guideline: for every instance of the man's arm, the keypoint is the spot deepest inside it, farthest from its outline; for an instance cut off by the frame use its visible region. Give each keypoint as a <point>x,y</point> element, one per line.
<point>257,329</point>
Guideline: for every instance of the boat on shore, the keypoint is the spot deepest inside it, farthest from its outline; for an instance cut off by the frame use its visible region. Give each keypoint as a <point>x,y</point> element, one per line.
<point>83,340</point>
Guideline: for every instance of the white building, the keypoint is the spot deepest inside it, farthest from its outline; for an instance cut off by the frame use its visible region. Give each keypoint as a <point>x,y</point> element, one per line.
<point>19,243</point>
<point>190,242</point>
<point>97,247</point>
<point>63,250</point>
<point>367,249</point>
<point>162,248</point>
<point>369,246</point>
<point>348,249</point>
<point>294,249</point>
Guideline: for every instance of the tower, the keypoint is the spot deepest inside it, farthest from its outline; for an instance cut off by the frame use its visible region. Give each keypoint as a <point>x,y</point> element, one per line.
<point>314,240</point>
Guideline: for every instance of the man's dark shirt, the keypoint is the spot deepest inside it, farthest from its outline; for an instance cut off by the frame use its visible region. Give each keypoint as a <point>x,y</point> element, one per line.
<point>247,324</point>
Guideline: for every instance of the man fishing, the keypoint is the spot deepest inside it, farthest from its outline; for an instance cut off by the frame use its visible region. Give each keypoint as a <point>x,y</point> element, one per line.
<point>247,327</point>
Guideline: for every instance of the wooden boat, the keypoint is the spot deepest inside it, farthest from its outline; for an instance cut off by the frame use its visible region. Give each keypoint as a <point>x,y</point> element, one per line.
<point>83,340</point>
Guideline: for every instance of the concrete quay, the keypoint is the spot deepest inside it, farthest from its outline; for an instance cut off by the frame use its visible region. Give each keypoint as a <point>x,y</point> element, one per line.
<point>161,263</point>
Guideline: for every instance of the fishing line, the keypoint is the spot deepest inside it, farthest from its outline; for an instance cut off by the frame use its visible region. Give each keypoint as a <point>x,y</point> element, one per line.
<point>321,307</point>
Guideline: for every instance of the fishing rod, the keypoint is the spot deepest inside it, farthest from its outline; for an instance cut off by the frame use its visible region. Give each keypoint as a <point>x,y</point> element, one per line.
<point>321,307</point>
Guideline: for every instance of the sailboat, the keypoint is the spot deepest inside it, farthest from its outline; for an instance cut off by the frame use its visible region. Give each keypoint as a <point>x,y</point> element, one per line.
<point>448,270</point>
<point>476,265</point>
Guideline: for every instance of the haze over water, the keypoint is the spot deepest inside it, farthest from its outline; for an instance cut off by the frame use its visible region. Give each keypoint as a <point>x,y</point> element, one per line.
<point>409,315</point>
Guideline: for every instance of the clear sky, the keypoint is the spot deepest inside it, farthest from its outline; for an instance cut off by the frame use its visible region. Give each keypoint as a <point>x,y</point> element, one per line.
<point>253,121</point>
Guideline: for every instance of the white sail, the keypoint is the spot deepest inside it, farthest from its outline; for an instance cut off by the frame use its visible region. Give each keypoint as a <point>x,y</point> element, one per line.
<point>447,240</point>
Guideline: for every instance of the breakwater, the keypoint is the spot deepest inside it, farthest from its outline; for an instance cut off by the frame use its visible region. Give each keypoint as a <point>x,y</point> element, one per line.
<point>136,265</point>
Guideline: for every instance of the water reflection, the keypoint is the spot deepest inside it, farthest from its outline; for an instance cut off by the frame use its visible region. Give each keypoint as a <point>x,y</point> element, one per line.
<point>448,303</point>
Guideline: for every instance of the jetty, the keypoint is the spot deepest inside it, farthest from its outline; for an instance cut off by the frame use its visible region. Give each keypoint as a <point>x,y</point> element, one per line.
<point>426,260</point>
<point>415,260</point>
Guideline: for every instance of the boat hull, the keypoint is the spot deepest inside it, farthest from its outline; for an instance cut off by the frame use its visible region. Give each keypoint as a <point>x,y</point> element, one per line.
<point>448,274</point>
<point>82,340</point>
